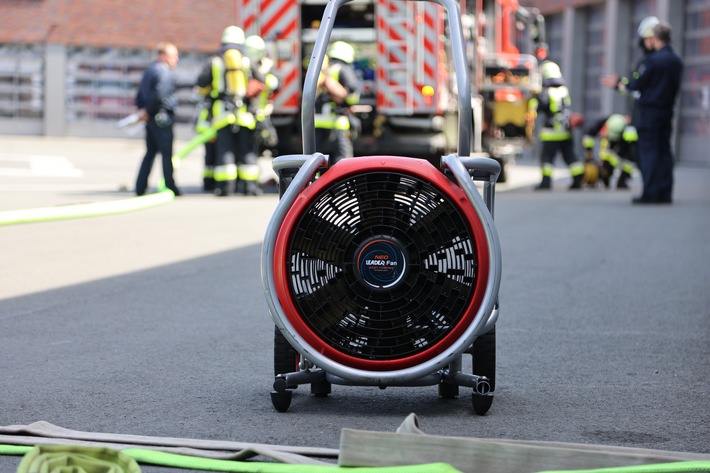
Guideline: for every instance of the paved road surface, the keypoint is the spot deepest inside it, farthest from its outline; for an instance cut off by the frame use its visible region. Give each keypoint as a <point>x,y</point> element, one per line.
<point>154,322</point>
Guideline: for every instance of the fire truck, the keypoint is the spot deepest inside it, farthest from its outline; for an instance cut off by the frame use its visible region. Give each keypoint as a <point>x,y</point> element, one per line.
<point>408,105</point>
<point>509,42</point>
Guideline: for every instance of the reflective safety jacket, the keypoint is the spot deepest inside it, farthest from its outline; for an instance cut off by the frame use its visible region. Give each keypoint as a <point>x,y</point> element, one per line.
<point>329,114</point>
<point>554,103</point>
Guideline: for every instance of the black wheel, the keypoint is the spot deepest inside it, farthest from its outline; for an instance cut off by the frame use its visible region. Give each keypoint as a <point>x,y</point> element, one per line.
<point>481,403</point>
<point>484,357</point>
<point>281,400</point>
<point>285,356</point>
<point>320,388</point>
<point>484,364</point>
<point>448,391</point>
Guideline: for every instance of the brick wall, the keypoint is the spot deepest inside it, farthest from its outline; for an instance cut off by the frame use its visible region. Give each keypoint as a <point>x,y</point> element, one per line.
<point>556,6</point>
<point>191,25</point>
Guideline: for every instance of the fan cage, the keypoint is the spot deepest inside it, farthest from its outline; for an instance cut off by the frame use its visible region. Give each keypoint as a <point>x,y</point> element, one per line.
<point>381,263</point>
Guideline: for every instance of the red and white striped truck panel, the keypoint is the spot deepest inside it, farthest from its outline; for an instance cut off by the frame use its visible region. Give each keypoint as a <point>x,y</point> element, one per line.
<point>278,21</point>
<point>410,57</point>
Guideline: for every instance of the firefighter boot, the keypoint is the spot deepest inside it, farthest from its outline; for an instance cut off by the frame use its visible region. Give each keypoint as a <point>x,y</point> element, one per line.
<point>252,188</point>
<point>622,182</point>
<point>208,184</point>
<point>576,182</point>
<point>607,171</point>
<point>221,189</point>
<point>546,184</point>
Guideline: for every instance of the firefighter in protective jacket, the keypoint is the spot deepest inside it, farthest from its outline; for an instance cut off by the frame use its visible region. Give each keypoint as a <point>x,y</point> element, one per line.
<point>231,83</point>
<point>339,88</point>
<point>617,147</point>
<point>554,104</point>
<point>262,105</point>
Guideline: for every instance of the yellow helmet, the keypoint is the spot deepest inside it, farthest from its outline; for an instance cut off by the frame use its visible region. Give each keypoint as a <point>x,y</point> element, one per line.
<point>341,50</point>
<point>646,26</point>
<point>615,126</point>
<point>551,70</point>
<point>233,35</point>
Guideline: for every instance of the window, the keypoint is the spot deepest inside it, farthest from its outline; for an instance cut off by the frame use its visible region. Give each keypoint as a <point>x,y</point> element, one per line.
<point>21,81</point>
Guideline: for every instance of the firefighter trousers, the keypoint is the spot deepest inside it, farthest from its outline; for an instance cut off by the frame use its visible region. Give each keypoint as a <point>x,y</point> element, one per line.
<point>236,157</point>
<point>551,148</point>
<point>335,143</point>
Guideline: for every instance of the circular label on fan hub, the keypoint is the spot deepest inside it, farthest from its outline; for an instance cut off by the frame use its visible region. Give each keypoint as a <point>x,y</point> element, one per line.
<point>380,262</point>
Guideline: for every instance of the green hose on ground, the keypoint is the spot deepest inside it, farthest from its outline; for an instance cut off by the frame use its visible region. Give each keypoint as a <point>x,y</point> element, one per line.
<point>196,463</point>
<point>153,457</point>
<point>95,209</point>
<point>92,209</point>
<point>59,454</point>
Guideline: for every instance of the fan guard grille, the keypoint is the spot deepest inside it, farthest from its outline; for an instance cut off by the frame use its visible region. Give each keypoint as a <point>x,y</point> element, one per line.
<point>381,265</point>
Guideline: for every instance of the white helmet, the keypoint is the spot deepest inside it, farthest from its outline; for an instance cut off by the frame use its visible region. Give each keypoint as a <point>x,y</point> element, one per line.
<point>550,70</point>
<point>646,26</point>
<point>233,35</point>
<point>255,47</point>
<point>341,50</point>
<point>615,126</point>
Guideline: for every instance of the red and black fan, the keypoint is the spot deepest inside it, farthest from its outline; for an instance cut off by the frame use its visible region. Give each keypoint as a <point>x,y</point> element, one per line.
<point>383,270</point>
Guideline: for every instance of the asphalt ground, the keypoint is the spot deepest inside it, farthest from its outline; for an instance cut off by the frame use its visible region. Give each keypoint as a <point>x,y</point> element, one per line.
<point>153,322</point>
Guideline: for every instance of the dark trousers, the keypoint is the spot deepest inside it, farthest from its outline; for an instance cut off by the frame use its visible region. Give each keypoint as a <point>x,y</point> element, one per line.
<point>335,143</point>
<point>655,161</point>
<point>551,148</point>
<point>157,140</point>
<point>234,147</point>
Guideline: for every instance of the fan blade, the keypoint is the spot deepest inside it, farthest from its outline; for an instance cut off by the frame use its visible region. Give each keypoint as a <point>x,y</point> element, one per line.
<point>325,307</point>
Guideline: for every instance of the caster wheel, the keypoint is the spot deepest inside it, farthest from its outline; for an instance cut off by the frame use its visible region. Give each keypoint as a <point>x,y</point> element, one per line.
<point>481,403</point>
<point>281,400</point>
<point>320,388</point>
<point>484,357</point>
<point>285,356</point>
<point>448,391</point>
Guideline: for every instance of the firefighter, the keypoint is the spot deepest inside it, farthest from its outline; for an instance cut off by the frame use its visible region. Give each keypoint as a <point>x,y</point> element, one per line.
<point>656,85</point>
<point>339,88</point>
<point>554,103</point>
<point>262,105</point>
<point>617,148</point>
<point>228,75</point>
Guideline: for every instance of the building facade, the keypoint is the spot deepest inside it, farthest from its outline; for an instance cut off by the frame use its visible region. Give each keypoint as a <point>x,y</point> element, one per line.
<point>70,67</point>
